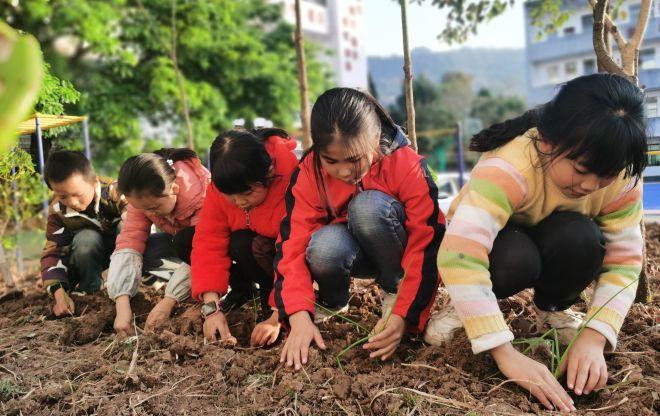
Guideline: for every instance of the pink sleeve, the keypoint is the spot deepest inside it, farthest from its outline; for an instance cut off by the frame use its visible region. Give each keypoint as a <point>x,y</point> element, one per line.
<point>134,231</point>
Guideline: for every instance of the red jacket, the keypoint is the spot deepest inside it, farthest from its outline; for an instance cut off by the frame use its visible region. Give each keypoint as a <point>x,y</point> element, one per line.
<point>220,217</point>
<point>193,179</point>
<point>403,175</point>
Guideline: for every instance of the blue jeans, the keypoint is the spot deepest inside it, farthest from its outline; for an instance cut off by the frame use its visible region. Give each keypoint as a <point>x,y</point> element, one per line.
<point>370,244</point>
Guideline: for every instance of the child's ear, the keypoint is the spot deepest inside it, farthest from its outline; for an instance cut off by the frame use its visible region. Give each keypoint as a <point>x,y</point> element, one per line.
<point>544,146</point>
<point>174,190</point>
<point>271,170</point>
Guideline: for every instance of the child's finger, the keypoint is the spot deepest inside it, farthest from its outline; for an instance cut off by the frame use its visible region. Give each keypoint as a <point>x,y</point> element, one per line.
<point>297,352</point>
<point>384,352</point>
<point>318,339</point>
<point>603,377</point>
<point>572,373</point>
<point>594,378</point>
<point>283,354</point>
<point>273,338</point>
<point>581,379</point>
<point>384,334</point>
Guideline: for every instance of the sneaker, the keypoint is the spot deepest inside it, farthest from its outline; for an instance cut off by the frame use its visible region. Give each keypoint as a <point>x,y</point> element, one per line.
<point>387,301</point>
<point>567,323</point>
<point>441,326</point>
<point>235,299</point>
<point>322,314</point>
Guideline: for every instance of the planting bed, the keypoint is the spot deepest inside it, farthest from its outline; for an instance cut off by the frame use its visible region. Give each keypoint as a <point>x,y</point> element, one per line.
<point>75,366</point>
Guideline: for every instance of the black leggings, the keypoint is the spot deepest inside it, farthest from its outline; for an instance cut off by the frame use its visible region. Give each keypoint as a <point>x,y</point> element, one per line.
<point>559,258</point>
<point>252,262</point>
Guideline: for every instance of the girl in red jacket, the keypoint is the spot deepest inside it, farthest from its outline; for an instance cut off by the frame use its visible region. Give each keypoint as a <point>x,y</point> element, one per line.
<point>234,244</point>
<point>165,188</point>
<point>362,203</point>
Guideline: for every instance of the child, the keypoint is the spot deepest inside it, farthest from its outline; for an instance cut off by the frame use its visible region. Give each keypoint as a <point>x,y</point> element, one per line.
<point>81,229</point>
<point>362,203</point>
<point>234,243</point>
<point>165,188</point>
<point>553,204</point>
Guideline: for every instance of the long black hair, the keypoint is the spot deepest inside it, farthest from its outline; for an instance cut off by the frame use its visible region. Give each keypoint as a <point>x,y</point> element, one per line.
<point>239,159</point>
<point>353,118</point>
<point>151,173</point>
<point>596,119</point>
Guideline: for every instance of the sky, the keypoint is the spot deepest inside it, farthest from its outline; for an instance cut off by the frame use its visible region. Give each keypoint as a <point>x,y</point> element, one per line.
<point>382,19</point>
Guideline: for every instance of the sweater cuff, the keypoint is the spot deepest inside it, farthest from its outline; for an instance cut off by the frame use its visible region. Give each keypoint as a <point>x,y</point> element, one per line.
<point>605,330</point>
<point>476,326</point>
<point>489,341</point>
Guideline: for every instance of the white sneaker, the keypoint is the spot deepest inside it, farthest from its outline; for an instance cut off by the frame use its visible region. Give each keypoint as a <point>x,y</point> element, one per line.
<point>442,325</point>
<point>387,301</point>
<point>322,314</point>
<point>567,323</point>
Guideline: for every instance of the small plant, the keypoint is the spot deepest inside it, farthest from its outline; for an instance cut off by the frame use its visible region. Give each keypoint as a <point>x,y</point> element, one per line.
<point>550,338</point>
<point>8,389</point>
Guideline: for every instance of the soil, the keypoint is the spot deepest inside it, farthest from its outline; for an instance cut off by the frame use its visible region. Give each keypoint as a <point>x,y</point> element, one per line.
<point>76,366</point>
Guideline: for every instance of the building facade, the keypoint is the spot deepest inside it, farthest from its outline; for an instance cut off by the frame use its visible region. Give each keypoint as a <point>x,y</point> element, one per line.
<point>337,27</point>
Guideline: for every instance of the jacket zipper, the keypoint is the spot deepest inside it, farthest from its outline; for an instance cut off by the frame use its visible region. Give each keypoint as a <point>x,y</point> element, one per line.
<point>247,217</point>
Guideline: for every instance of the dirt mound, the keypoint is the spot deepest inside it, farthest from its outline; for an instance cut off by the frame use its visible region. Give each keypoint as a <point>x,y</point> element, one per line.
<point>76,366</point>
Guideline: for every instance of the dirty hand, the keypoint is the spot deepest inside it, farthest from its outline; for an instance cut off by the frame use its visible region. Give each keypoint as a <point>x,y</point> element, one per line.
<point>123,321</point>
<point>63,303</point>
<point>217,324</point>
<point>266,332</point>
<point>296,347</point>
<point>160,313</point>
<point>585,363</point>
<point>385,337</point>
<point>532,376</point>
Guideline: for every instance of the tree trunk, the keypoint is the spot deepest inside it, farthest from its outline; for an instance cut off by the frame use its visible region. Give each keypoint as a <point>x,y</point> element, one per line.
<point>302,81</point>
<point>179,78</point>
<point>410,108</point>
<point>603,58</point>
<point>644,294</point>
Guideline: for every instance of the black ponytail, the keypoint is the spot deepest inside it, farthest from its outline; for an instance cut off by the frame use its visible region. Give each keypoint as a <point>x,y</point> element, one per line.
<point>239,159</point>
<point>151,173</point>
<point>500,134</point>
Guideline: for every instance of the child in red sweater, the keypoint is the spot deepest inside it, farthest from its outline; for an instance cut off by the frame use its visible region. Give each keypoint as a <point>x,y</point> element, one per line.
<point>234,243</point>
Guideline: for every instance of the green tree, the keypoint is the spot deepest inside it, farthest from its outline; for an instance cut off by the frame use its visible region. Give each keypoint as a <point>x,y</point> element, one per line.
<point>494,109</point>
<point>236,59</point>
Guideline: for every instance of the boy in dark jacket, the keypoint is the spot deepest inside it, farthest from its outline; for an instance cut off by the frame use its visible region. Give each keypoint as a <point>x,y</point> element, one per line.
<point>82,225</point>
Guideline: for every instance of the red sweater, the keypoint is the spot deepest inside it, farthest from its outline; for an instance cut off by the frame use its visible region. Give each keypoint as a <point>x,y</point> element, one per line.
<point>403,175</point>
<point>220,217</point>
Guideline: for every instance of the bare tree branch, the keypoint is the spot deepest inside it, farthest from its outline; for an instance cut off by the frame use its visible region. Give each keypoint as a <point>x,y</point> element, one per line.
<point>605,61</point>
<point>612,28</point>
<point>642,22</point>
<point>410,107</point>
<point>302,81</point>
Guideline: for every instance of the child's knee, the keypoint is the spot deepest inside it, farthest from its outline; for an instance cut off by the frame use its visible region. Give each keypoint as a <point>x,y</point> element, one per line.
<point>331,251</point>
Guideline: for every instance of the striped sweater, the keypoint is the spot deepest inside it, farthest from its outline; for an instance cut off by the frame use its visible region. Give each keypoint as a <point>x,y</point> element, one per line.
<point>509,183</point>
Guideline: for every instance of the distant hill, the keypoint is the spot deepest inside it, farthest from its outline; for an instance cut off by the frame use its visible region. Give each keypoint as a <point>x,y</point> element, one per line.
<point>500,70</point>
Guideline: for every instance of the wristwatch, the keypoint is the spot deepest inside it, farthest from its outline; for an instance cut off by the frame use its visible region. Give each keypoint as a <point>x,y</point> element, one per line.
<point>210,308</point>
<point>54,287</point>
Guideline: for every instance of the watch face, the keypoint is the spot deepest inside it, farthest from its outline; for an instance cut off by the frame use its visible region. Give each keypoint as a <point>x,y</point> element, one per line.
<point>208,308</point>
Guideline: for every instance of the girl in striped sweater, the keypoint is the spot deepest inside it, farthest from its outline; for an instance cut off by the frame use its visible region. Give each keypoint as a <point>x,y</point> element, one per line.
<point>553,204</point>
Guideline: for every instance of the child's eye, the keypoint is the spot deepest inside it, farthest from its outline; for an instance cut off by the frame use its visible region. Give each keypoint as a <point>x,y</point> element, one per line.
<point>330,162</point>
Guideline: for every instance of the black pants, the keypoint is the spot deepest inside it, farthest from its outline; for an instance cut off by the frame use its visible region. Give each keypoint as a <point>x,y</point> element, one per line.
<point>165,246</point>
<point>559,258</point>
<point>252,262</point>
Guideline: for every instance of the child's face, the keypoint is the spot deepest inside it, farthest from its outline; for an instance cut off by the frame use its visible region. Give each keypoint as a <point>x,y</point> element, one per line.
<point>573,179</point>
<point>75,192</point>
<point>249,199</point>
<point>157,205</point>
<point>340,164</point>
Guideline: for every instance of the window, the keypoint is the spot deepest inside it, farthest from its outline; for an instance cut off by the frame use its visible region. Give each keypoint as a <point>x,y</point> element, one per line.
<point>589,66</point>
<point>310,15</point>
<point>346,35</point>
<point>354,42</point>
<point>553,74</point>
<point>348,66</point>
<point>651,106</point>
<point>634,12</point>
<point>570,68</point>
<point>647,58</point>
<point>569,31</point>
<point>587,22</point>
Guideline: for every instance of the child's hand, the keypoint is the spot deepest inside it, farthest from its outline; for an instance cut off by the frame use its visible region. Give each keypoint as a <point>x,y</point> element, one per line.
<point>532,376</point>
<point>217,324</point>
<point>123,321</point>
<point>296,347</point>
<point>159,313</point>
<point>386,337</point>
<point>63,303</point>
<point>586,363</point>
<point>266,332</point>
